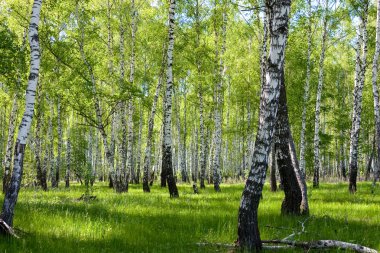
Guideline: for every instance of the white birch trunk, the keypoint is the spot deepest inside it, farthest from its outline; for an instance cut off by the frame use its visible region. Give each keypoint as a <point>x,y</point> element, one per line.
<point>248,232</point>
<point>317,163</point>
<point>10,142</point>
<point>14,187</point>
<point>167,163</point>
<point>148,148</point>
<point>130,167</point>
<point>361,64</point>
<point>306,93</point>
<point>60,141</point>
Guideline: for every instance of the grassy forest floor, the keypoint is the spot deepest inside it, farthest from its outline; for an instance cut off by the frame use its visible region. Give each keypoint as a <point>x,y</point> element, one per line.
<point>55,221</point>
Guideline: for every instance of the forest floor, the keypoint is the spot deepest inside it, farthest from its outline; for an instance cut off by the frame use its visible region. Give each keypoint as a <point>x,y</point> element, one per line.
<point>55,221</point>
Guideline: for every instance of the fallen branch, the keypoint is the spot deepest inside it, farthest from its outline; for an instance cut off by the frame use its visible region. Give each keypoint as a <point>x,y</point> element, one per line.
<point>85,197</point>
<point>234,246</point>
<point>324,244</point>
<point>6,229</point>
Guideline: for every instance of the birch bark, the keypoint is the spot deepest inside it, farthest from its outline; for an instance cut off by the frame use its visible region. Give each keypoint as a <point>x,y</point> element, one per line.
<point>11,195</point>
<point>317,163</point>
<point>361,64</point>
<point>149,138</point>
<point>167,163</point>
<point>306,92</point>
<point>10,143</point>
<point>248,231</point>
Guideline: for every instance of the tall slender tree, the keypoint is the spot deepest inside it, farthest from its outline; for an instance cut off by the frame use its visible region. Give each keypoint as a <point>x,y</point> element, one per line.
<point>167,163</point>
<point>317,162</point>
<point>11,195</point>
<point>361,65</point>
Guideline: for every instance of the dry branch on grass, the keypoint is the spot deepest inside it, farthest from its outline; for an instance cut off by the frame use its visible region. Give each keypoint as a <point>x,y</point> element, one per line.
<point>6,229</point>
<point>320,244</point>
<point>323,244</point>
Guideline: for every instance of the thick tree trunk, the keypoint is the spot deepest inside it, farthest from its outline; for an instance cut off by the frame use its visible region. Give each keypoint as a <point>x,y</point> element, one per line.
<point>306,93</point>
<point>248,230</point>
<point>301,179</point>
<point>167,163</point>
<point>361,62</point>
<point>10,143</point>
<point>11,195</point>
<point>185,176</point>
<point>317,162</point>
<point>292,201</point>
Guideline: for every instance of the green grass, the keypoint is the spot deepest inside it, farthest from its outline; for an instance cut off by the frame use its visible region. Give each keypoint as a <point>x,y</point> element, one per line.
<point>55,221</point>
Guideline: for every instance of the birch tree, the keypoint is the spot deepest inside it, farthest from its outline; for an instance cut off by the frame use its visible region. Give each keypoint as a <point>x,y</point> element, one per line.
<point>374,82</point>
<point>149,138</point>
<point>361,65</point>
<point>11,195</point>
<point>317,163</point>
<point>248,231</point>
<point>306,92</point>
<point>292,201</point>
<point>167,163</point>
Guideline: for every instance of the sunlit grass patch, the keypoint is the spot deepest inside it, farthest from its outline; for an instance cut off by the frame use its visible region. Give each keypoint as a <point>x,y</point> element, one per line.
<point>55,221</point>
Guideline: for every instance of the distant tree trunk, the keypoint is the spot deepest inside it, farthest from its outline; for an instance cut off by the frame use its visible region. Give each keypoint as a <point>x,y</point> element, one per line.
<point>148,148</point>
<point>167,163</point>
<point>50,146</point>
<point>317,163</point>
<point>374,83</point>
<point>218,102</point>
<point>11,195</point>
<point>109,149</point>
<point>184,168</point>
<point>121,178</point>
<point>10,143</point>
<point>361,62</point>
<point>60,141</point>
<point>342,164</point>
<point>306,93</point>
<point>273,181</point>
<point>248,230</point>
<point>202,155</point>
<point>41,178</point>
<point>68,162</point>
<point>138,163</point>
<point>292,201</point>
<point>130,166</point>
<point>110,72</point>
<point>370,160</point>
